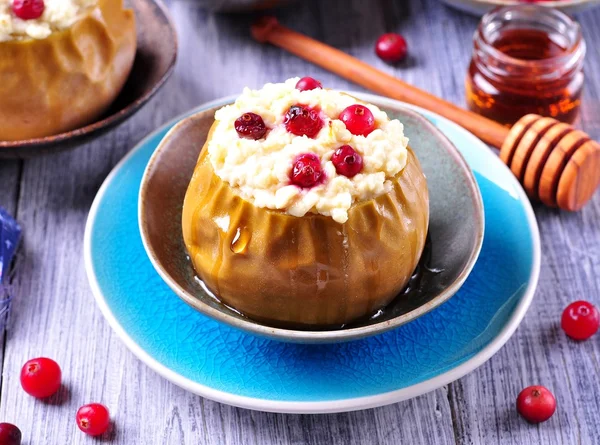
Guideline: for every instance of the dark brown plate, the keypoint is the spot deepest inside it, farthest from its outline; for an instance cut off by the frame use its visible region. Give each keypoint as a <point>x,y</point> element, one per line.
<point>153,64</point>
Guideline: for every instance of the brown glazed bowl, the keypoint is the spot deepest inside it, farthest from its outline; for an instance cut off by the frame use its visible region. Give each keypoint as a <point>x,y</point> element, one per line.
<point>455,231</point>
<point>58,97</point>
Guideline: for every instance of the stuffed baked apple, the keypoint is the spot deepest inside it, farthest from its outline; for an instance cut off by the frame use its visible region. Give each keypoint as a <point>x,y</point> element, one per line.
<point>62,63</point>
<point>306,206</point>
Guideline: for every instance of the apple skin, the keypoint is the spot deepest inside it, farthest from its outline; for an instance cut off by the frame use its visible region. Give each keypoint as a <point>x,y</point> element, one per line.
<point>68,79</point>
<point>308,271</point>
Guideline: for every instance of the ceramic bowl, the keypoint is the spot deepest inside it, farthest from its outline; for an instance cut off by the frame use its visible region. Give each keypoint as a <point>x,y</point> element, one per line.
<point>153,64</point>
<point>456,229</point>
<point>482,6</point>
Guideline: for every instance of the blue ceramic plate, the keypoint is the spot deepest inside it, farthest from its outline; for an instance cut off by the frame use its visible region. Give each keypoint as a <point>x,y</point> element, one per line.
<point>227,365</point>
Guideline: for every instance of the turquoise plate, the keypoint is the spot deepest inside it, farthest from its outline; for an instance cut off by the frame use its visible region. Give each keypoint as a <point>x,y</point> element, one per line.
<point>227,365</point>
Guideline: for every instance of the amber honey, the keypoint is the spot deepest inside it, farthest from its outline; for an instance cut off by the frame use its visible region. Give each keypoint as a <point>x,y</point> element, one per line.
<point>526,59</point>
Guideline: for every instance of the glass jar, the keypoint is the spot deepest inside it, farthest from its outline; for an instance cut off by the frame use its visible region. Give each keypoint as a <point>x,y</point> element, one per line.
<point>526,59</point>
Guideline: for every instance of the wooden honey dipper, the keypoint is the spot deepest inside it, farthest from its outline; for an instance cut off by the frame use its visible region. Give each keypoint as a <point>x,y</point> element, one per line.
<point>556,163</point>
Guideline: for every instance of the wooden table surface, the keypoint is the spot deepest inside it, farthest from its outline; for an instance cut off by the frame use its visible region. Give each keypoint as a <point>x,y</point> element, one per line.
<point>54,313</point>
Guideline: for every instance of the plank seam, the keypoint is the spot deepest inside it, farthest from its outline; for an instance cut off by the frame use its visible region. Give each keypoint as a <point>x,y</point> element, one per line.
<point>453,414</point>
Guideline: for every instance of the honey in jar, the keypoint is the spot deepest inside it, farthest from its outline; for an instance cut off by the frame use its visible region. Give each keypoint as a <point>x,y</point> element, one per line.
<point>526,59</point>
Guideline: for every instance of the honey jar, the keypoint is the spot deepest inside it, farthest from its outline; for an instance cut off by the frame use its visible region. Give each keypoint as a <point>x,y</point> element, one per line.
<point>526,59</point>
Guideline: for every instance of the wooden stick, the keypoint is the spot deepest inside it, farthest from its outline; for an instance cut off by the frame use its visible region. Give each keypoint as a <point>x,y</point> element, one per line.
<point>268,29</point>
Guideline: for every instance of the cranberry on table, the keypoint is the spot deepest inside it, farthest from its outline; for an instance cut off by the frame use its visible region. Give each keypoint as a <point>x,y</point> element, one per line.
<point>303,120</point>
<point>40,377</point>
<point>93,419</point>
<point>358,119</point>
<point>347,161</point>
<point>536,404</point>
<point>9,434</point>
<point>306,170</point>
<point>28,9</point>
<point>391,47</point>
<point>308,83</point>
<point>580,320</point>
<point>250,126</point>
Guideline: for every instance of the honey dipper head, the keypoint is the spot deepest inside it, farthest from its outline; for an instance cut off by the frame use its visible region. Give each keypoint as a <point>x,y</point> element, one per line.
<point>556,163</point>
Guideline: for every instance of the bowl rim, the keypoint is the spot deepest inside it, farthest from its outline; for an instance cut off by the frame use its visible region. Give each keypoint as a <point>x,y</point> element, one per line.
<point>113,119</point>
<point>320,336</point>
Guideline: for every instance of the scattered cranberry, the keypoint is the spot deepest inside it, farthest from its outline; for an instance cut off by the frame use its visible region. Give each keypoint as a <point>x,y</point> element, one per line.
<point>358,119</point>
<point>9,434</point>
<point>391,47</point>
<point>40,377</point>
<point>580,320</point>
<point>302,120</point>
<point>308,83</point>
<point>28,9</point>
<point>536,404</point>
<point>347,161</point>
<point>306,171</point>
<point>250,126</point>
<point>93,419</point>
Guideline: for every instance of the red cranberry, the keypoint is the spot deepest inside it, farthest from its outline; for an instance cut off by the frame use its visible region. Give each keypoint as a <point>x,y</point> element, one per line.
<point>9,434</point>
<point>308,83</point>
<point>306,171</point>
<point>536,404</point>
<point>93,419</point>
<point>250,126</point>
<point>580,320</point>
<point>358,119</point>
<point>302,120</point>
<point>347,161</point>
<point>391,47</point>
<point>40,377</point>
<point>28,9</point>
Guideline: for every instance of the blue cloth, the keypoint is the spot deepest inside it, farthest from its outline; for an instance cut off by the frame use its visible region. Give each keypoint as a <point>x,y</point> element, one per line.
<point>10,234</point>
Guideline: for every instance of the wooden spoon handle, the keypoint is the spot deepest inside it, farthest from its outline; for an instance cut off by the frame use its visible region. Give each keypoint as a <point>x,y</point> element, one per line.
<point>268,29</point>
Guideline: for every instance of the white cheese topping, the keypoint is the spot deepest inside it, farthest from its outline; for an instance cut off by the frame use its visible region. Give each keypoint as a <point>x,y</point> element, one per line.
<point>259,171</point>
<point>58,14</point>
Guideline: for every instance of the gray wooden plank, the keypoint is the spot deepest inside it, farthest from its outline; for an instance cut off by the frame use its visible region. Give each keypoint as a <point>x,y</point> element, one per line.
<point>9,184</point>
<point>484,402</point>
<point>400,423</point>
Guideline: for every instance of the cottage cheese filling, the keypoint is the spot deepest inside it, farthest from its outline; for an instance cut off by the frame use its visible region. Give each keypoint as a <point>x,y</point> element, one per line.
<point>259,171</point>
<point>58,14</point>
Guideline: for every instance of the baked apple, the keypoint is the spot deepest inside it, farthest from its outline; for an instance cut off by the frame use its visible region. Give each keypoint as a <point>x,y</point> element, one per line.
<point>306,208</point>
<point>62,63</point>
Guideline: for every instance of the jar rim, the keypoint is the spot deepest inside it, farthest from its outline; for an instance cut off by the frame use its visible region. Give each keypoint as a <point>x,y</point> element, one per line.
<point>574,50</point>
